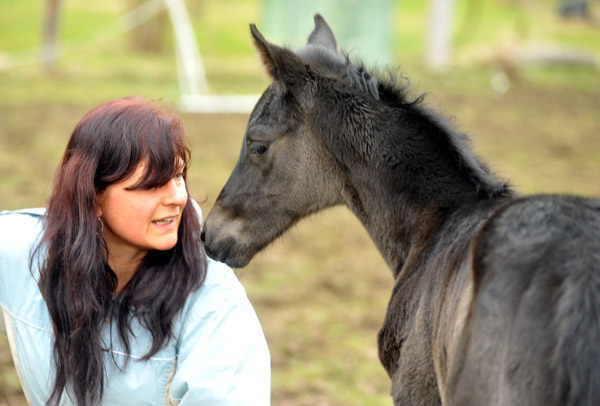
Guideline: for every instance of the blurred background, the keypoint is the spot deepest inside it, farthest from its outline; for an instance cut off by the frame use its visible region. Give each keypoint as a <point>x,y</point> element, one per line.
<point>521,77</point>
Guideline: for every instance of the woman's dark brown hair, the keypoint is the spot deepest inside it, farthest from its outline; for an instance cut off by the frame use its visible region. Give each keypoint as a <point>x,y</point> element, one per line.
<point>75,280</point>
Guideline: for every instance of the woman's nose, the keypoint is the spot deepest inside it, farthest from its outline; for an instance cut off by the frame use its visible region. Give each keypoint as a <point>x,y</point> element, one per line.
<point>175,193</point>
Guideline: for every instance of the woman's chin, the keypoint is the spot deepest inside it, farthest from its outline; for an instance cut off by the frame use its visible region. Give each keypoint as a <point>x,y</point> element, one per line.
<point>165,244</point>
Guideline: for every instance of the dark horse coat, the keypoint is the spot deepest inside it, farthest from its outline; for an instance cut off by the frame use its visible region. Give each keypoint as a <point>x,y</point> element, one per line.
<point>496,299</point>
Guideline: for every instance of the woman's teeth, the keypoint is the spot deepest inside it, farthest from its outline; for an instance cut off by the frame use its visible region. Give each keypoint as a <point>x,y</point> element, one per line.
<point>164,221</point>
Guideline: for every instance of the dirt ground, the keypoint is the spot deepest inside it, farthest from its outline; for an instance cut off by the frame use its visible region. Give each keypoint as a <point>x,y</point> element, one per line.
<point>321,292</point>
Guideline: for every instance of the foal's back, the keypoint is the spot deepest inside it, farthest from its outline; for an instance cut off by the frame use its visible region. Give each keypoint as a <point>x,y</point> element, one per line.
<point>533,331</point>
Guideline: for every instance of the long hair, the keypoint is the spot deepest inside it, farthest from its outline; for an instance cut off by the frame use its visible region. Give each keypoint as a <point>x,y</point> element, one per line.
<point>75,280</point>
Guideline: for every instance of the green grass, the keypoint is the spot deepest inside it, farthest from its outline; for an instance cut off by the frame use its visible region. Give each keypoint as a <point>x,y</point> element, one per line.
<point>321,291</point>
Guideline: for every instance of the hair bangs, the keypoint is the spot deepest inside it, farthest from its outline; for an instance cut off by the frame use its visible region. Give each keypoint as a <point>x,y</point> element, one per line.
<point>164,153</point>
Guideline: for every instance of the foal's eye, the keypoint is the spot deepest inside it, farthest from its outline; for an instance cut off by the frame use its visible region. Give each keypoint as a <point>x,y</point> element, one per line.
<point>258,149</point>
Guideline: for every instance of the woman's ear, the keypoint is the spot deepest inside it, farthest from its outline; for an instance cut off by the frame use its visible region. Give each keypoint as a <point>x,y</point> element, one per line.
<point>99,200</point>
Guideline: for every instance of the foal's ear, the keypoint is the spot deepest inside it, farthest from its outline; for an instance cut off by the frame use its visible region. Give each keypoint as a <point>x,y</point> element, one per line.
<point>322,35</point>
<point>282,64</point>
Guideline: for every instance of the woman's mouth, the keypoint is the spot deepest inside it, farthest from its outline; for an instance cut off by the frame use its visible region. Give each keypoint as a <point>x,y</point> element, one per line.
<point>164,222</point>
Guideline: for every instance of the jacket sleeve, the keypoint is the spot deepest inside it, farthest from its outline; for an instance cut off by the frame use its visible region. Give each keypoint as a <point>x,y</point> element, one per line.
<point>223,358</point>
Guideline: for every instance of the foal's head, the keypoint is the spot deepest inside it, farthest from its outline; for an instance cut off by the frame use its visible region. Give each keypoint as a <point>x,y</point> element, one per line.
<point>283,172</point>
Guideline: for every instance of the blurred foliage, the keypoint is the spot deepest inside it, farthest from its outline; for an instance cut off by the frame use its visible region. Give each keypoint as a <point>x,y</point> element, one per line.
<point>322,290</point>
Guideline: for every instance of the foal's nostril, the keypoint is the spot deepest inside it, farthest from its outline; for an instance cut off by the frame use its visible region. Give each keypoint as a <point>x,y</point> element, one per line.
<point>202,235</point>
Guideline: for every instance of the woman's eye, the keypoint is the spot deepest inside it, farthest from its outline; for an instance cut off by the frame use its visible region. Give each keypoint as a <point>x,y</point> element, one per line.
<point>178,176</point>
<point>258,149</point>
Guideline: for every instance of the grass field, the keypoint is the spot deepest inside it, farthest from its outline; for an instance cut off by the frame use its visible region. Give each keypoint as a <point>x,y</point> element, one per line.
<point>321,291</point>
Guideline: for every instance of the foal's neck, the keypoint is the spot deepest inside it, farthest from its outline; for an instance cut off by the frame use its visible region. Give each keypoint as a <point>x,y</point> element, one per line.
<point>396,226</point>
<point>421,174</point>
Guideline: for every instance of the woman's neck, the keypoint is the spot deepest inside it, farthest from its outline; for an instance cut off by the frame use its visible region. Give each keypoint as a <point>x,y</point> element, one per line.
<point>124,264</point>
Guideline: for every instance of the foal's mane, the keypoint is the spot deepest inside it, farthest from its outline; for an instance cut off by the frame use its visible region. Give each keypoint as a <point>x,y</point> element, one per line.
<point>392,88</point>
<point>354,72</point>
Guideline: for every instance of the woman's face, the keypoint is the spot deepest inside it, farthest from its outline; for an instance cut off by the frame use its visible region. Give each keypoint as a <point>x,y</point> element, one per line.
<point>136,221</point>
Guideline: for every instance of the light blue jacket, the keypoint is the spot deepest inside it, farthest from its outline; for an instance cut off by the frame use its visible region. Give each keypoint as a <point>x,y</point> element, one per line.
<point>219,355</point>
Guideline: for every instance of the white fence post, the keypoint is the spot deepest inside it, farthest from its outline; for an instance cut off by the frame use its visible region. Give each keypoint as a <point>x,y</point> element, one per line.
<point>192,80</point>
<point>439,39</point>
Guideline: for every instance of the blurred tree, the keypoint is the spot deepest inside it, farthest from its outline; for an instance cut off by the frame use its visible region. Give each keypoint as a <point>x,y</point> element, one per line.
<point>149,37</point>
<point>152,35</point>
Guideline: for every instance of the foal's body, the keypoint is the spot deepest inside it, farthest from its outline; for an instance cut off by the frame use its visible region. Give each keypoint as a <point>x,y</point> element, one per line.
<point>496,298</point>
<point>506,314</point>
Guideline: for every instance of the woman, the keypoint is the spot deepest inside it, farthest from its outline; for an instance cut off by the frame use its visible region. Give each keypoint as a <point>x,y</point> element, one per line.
<point>108,296</point>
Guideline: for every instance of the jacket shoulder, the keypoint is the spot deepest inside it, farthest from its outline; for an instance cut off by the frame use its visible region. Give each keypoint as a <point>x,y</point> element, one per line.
<point>36,211</point>
<point>20,229</point>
